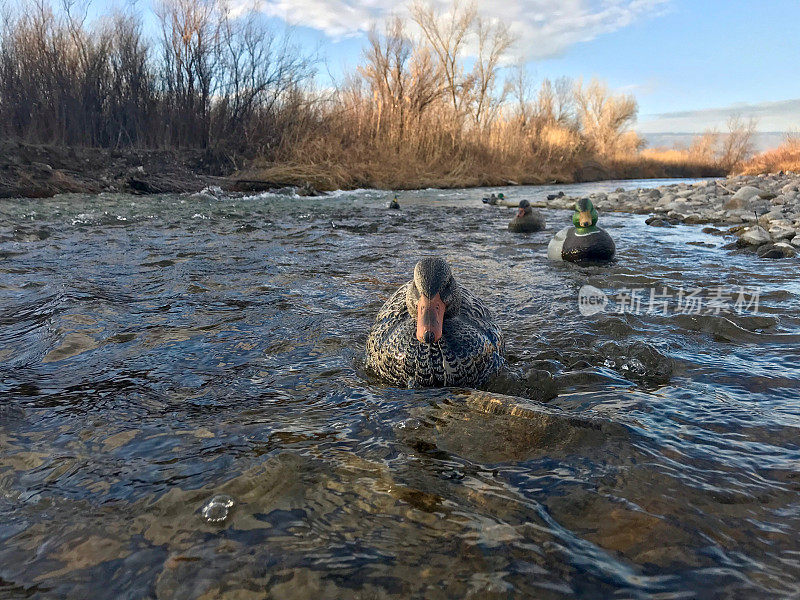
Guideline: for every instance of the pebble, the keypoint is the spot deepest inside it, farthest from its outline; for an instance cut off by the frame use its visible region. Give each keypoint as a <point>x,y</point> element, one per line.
<point>755,236</point>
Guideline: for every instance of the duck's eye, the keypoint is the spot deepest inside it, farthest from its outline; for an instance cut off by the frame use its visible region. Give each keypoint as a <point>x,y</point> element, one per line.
<point>446,294</point>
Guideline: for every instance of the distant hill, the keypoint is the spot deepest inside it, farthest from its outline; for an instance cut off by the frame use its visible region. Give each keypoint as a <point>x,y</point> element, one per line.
<point>763,140</point>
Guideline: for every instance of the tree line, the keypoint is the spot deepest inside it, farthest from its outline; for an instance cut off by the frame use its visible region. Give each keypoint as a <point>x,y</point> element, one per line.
<point>433,94</point>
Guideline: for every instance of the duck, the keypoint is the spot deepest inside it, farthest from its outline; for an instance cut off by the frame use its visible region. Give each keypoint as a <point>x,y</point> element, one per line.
<point>585,241</point>
<point>527,220</point>
<point>433,332</point>
<point>499,200</point>
<point>394,204</point>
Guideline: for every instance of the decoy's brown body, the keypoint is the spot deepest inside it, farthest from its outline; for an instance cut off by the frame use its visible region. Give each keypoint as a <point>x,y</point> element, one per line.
<point>432,332</point>
<point>527,219</point>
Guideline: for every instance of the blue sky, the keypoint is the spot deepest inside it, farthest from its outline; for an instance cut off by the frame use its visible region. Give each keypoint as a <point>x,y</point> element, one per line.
<point>689,63</point>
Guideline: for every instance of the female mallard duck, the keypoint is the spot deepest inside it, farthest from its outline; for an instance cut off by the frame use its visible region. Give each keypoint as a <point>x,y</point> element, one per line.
<point>433,332</point>
<point>583,242</point>
<point>527,219</point>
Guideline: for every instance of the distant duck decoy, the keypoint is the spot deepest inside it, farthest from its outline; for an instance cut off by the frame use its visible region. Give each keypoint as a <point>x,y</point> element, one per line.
<point>583,242</point>
<point>394,204</point>
<point>499,200</point>
<point>433,332</point>
<point>527,219</point>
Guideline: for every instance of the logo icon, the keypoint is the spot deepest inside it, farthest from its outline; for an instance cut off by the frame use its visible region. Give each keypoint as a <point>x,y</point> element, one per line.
<point>591,300</point>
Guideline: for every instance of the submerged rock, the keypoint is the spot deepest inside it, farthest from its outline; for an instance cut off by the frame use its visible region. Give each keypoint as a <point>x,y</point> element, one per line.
<point>658,222</point>
<point>713,231</point>
<point>779,250</point>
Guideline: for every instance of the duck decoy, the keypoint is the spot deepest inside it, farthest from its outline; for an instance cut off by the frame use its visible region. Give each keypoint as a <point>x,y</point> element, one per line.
<point>499,200</point>
<point>527,219</point>
<point>434,332</point>
<point>585,241</point>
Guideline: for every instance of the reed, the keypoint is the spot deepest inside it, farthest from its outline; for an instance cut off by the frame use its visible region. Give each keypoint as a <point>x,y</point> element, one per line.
<point>785,157</point>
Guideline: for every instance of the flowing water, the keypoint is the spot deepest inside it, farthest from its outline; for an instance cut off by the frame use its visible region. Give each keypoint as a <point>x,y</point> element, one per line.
<point>184,411</point>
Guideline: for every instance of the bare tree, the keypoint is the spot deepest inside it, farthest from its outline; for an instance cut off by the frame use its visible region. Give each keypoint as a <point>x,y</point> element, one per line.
<point>522,92</point>
<point>604,118</point>
<point>737,144</point>
<point>704,147</point>
<point>189,39</point>
<point>494,40</point>
<point>386,70</point>
<point>447,36</point>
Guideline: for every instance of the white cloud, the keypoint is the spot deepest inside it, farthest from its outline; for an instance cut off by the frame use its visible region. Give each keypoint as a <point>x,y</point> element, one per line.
<point>772,116</point>
<point>544,27</point>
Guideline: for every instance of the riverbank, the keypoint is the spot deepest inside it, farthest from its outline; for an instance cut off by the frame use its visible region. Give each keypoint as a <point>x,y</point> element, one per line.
<point>762,211</point>
<point>42,171</point>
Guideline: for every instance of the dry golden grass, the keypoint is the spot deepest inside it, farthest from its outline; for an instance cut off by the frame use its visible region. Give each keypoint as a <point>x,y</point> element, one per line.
<point>664,162</point>
<point>785,157</point>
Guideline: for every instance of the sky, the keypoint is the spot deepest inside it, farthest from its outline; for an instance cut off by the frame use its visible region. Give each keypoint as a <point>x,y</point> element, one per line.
<point>690,63</point>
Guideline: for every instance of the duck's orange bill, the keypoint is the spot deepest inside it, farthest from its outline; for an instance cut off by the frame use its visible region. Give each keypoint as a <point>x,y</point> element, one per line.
<point>430,317</point>
<point>521,213</point>
<point>585,218</point>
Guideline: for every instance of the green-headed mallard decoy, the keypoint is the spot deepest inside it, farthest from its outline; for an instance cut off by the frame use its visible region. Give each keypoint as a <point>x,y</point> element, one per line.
<point>499,200</point>
<point>527,219</point>
<point>583,242</point>
<point>433,332</point>
<point>394,203</point>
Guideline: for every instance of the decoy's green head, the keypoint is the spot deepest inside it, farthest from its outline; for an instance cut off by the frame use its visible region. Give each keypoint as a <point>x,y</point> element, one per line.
<point>585,214</point>
<point>501,196</point>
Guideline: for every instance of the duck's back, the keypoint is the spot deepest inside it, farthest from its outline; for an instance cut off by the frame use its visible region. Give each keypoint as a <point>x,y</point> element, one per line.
<point>595,245</point>
<point>469,351</point>
<point>529,223</point>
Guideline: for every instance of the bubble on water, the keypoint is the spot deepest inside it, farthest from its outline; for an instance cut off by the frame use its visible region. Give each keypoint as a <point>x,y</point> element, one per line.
<point>635,365</point>
<point>637,361</point>
<point>217,509</point>
<point>410,424</point>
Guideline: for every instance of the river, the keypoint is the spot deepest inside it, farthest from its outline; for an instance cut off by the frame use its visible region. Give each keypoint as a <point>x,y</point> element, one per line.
<point>158,351</point>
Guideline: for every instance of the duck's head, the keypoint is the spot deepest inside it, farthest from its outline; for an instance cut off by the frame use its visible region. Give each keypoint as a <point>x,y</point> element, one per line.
<point>501,196</point>
<point>524,209</point>
<point>585,214</point>
<point>433,295</point>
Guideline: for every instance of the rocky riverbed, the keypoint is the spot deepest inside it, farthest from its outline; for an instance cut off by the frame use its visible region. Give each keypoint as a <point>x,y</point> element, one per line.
<point>761,211</point>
